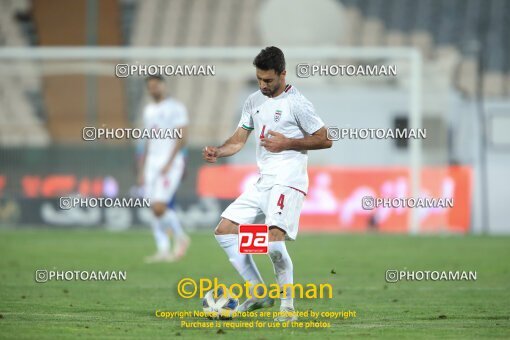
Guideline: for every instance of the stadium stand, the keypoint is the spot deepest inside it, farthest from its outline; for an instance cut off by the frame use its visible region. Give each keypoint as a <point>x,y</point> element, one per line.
<point>65,94</point>
<point>440,29</point>
<point>447,33</point>
<point>450,35</point>
<point>20,124</point>
<point>199,23</point>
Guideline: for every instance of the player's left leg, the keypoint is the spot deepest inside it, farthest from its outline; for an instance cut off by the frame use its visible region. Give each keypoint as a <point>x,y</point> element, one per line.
<point>160,235</point>
<point>182,241</point>
<point>284,272</point>
<point>158,207</point>
<point>282,217</point>
<point>166,187</point>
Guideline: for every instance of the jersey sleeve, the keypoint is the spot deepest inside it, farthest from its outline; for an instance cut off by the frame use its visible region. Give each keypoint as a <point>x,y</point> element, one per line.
<point>305,115</point>
<point>246,121</point>
<point>180,118</point>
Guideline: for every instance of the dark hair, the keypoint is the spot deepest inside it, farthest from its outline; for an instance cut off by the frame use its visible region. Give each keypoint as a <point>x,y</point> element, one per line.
<point>270,58</point>
<point>154,76</point>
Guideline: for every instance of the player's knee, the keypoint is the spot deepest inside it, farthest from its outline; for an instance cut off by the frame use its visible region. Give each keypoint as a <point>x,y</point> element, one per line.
<point>218,230</point>
<point>276,234</point>
<point>225,227</point>
<point>159,209</point>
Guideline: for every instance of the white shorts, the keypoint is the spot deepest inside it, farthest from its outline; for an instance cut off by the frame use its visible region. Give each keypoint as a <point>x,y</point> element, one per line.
<point>161,188</point>
<point>280,204</point>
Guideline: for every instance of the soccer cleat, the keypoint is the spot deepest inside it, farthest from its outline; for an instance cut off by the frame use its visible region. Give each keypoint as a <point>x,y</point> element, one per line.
<point>160,257</point>
<point>253,304</point>
<point>286,315</point>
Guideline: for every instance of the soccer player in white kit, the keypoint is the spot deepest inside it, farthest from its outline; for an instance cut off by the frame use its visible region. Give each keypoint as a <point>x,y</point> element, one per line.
<point>286,126</point>
<point>162,168</point>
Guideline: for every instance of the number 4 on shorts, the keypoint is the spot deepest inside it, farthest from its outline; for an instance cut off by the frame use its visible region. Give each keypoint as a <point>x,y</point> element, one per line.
<point>280,201</point>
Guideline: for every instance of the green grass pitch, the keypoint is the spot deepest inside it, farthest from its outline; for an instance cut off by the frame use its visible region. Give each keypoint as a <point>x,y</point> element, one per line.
<point>354,265</point>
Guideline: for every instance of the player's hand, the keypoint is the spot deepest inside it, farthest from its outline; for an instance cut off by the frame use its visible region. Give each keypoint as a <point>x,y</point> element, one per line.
<point>274,142</point>
<point>210,154</point>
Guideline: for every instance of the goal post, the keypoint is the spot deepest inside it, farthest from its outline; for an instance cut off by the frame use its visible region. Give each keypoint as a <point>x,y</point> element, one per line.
<point>91,55</point>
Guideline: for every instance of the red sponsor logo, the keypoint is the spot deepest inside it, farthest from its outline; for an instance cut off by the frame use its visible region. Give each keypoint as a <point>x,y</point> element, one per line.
<point>253,238</point>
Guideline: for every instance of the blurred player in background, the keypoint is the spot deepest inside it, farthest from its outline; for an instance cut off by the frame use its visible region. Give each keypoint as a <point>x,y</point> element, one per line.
<point>286,126</point>
<point>162,168</point>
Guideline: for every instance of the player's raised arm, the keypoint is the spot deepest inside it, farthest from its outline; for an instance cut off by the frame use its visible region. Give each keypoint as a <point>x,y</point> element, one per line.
<point>229,148</point>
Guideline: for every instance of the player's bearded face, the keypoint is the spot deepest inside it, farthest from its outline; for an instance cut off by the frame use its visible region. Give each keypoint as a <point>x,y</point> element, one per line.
<point>270,82</point>
<point>156,89</point>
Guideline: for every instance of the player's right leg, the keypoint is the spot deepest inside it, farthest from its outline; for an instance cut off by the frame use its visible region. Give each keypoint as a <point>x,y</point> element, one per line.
<point>167,187</point>
<point>227,237</point>
<point>158,207</point>
<point>226,234</point>
<point>243,210</point>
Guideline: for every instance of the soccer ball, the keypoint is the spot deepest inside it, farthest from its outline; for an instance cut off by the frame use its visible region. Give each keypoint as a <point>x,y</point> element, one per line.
<point>219,305</point>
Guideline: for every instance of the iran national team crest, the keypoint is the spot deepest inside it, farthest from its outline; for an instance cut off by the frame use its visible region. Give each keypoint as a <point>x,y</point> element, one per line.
<point>277,115</point>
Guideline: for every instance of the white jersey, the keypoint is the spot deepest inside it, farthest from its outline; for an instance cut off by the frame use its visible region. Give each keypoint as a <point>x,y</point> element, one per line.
<point>167,114</point>
<point>290,114</point>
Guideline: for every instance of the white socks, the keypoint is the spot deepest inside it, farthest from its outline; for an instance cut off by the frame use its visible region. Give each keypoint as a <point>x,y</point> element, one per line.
<point>243,263</point>
<point>160,235</point>
<point>246,267</point>
<point>159,230</point>
<point>171,220</point>
<point>283,270</point>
